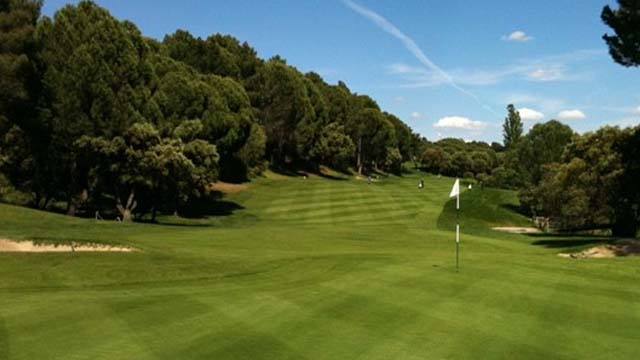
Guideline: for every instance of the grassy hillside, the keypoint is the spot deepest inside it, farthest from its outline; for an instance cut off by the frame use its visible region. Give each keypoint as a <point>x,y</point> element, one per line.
<point>317,269</point>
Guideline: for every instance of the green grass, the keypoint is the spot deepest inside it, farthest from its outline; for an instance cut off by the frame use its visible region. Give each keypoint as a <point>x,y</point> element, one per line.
<point>316,269</point>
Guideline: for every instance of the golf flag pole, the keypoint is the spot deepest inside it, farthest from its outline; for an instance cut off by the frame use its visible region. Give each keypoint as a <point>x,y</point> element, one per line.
<point>456,192</point>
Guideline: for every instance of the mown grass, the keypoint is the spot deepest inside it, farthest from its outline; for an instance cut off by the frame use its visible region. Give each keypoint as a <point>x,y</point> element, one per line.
<point>316,269</point>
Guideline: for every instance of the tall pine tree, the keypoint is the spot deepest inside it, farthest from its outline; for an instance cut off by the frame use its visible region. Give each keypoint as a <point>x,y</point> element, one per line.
<point>512,128</point>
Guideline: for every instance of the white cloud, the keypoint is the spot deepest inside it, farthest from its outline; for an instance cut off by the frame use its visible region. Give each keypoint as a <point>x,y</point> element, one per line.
<point>549,74</point>
<point>571,115</point>
<point>415,115</point>
<point>527,114</point>
<point>459,122</point>
<point>517,36</point>
<point>400,99</point>
<point>637,110</point>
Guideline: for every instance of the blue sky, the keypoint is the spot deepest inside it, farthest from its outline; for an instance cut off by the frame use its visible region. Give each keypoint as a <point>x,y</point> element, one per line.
<point>447,68</point>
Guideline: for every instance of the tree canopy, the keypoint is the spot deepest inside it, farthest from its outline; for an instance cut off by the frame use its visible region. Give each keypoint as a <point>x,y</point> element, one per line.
<point>98,116</point>
<point>624,46</point>
<point>512,127</point>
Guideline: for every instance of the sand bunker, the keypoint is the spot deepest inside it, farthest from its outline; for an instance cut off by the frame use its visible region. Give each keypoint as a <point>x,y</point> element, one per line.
<point>620,248</point>
<point>7,245</point>
<point>518,230</point>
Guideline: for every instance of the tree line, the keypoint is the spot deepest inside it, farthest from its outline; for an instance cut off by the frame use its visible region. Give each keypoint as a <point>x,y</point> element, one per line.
<point>98,116</point>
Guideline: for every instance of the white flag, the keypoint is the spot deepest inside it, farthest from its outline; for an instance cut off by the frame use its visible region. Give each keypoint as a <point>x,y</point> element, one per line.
<point>456,189</point>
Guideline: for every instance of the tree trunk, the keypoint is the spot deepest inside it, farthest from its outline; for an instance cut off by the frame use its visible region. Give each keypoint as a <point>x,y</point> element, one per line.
<point>46,202</point>
<point>626,224</point>
<point>71,208</point>
<point>76,201</point>
<point>359,161</point>
<point>126,215</point>
<point>153,214</point>
<point>127,210</point>
<point>627,229</point>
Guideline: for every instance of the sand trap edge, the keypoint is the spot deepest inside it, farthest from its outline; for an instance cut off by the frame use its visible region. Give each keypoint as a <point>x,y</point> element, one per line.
<point>28,246</point>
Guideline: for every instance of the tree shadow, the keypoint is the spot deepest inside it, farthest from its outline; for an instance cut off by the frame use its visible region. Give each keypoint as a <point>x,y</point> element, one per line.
<point>288,172</point>
<point>571,243</point>
<point>331,177</point>
<point>514,208</point>
<point>302,173</point>
<point>206,209</point>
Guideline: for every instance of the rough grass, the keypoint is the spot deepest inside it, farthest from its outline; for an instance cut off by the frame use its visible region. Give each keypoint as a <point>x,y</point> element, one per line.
<point>316,269</point>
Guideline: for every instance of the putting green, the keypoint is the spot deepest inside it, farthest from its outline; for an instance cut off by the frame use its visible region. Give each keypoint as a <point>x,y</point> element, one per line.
<point>316,269</point>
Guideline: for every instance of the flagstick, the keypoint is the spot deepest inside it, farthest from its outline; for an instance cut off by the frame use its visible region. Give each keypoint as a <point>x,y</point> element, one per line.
<point>457,229</point>
<point>456,192</point>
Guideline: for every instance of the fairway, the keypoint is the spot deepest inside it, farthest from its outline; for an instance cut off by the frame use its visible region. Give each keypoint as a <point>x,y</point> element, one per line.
<point>294,268</point>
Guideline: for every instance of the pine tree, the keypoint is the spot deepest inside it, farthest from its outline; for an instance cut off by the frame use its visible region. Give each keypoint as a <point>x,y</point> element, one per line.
<point>512,128</point>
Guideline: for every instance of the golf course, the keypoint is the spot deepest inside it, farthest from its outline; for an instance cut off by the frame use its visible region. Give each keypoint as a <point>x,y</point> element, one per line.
<point>287,267</point>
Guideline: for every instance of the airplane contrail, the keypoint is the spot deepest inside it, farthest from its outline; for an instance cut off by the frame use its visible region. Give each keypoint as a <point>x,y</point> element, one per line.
<point>411,45</point>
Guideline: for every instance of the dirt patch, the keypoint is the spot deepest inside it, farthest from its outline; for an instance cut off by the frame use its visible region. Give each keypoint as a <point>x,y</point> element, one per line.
<point>619,248</point>
<point>229,188</point>
<point>7,245</point>
<point>518,230</point>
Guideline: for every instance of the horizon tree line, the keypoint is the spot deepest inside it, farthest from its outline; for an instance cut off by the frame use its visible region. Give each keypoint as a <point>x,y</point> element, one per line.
<point>97,116</point>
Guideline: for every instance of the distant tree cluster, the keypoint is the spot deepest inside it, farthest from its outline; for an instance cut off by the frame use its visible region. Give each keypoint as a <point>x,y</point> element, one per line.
<point>593,185</point>
<point>457,158</point>
<point>580,182</point>
<point>96,115</point>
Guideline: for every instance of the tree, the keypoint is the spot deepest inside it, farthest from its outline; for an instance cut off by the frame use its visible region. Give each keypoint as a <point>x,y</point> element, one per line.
<point>93,112</point>
<point>512,128</point>
<point>624,46</point>
<point>461,163</point>
<point>591,186</point>
<point>141,165</point>
<point>252,152</point>
<point>504,177</point>
<point>543,144</point>
<point>393,160</point>
<point>374,136</point>
<point>280,95</point>
<point>338,147</point>
<point>96,78</point>
<point>628,212</point>
<point>404,137</point>
<point>18,47</point>
<point>435,160</point>
<point>221,55</point>
<point>481,162</point>
<point>19,94</point>
<point>220,105</point>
